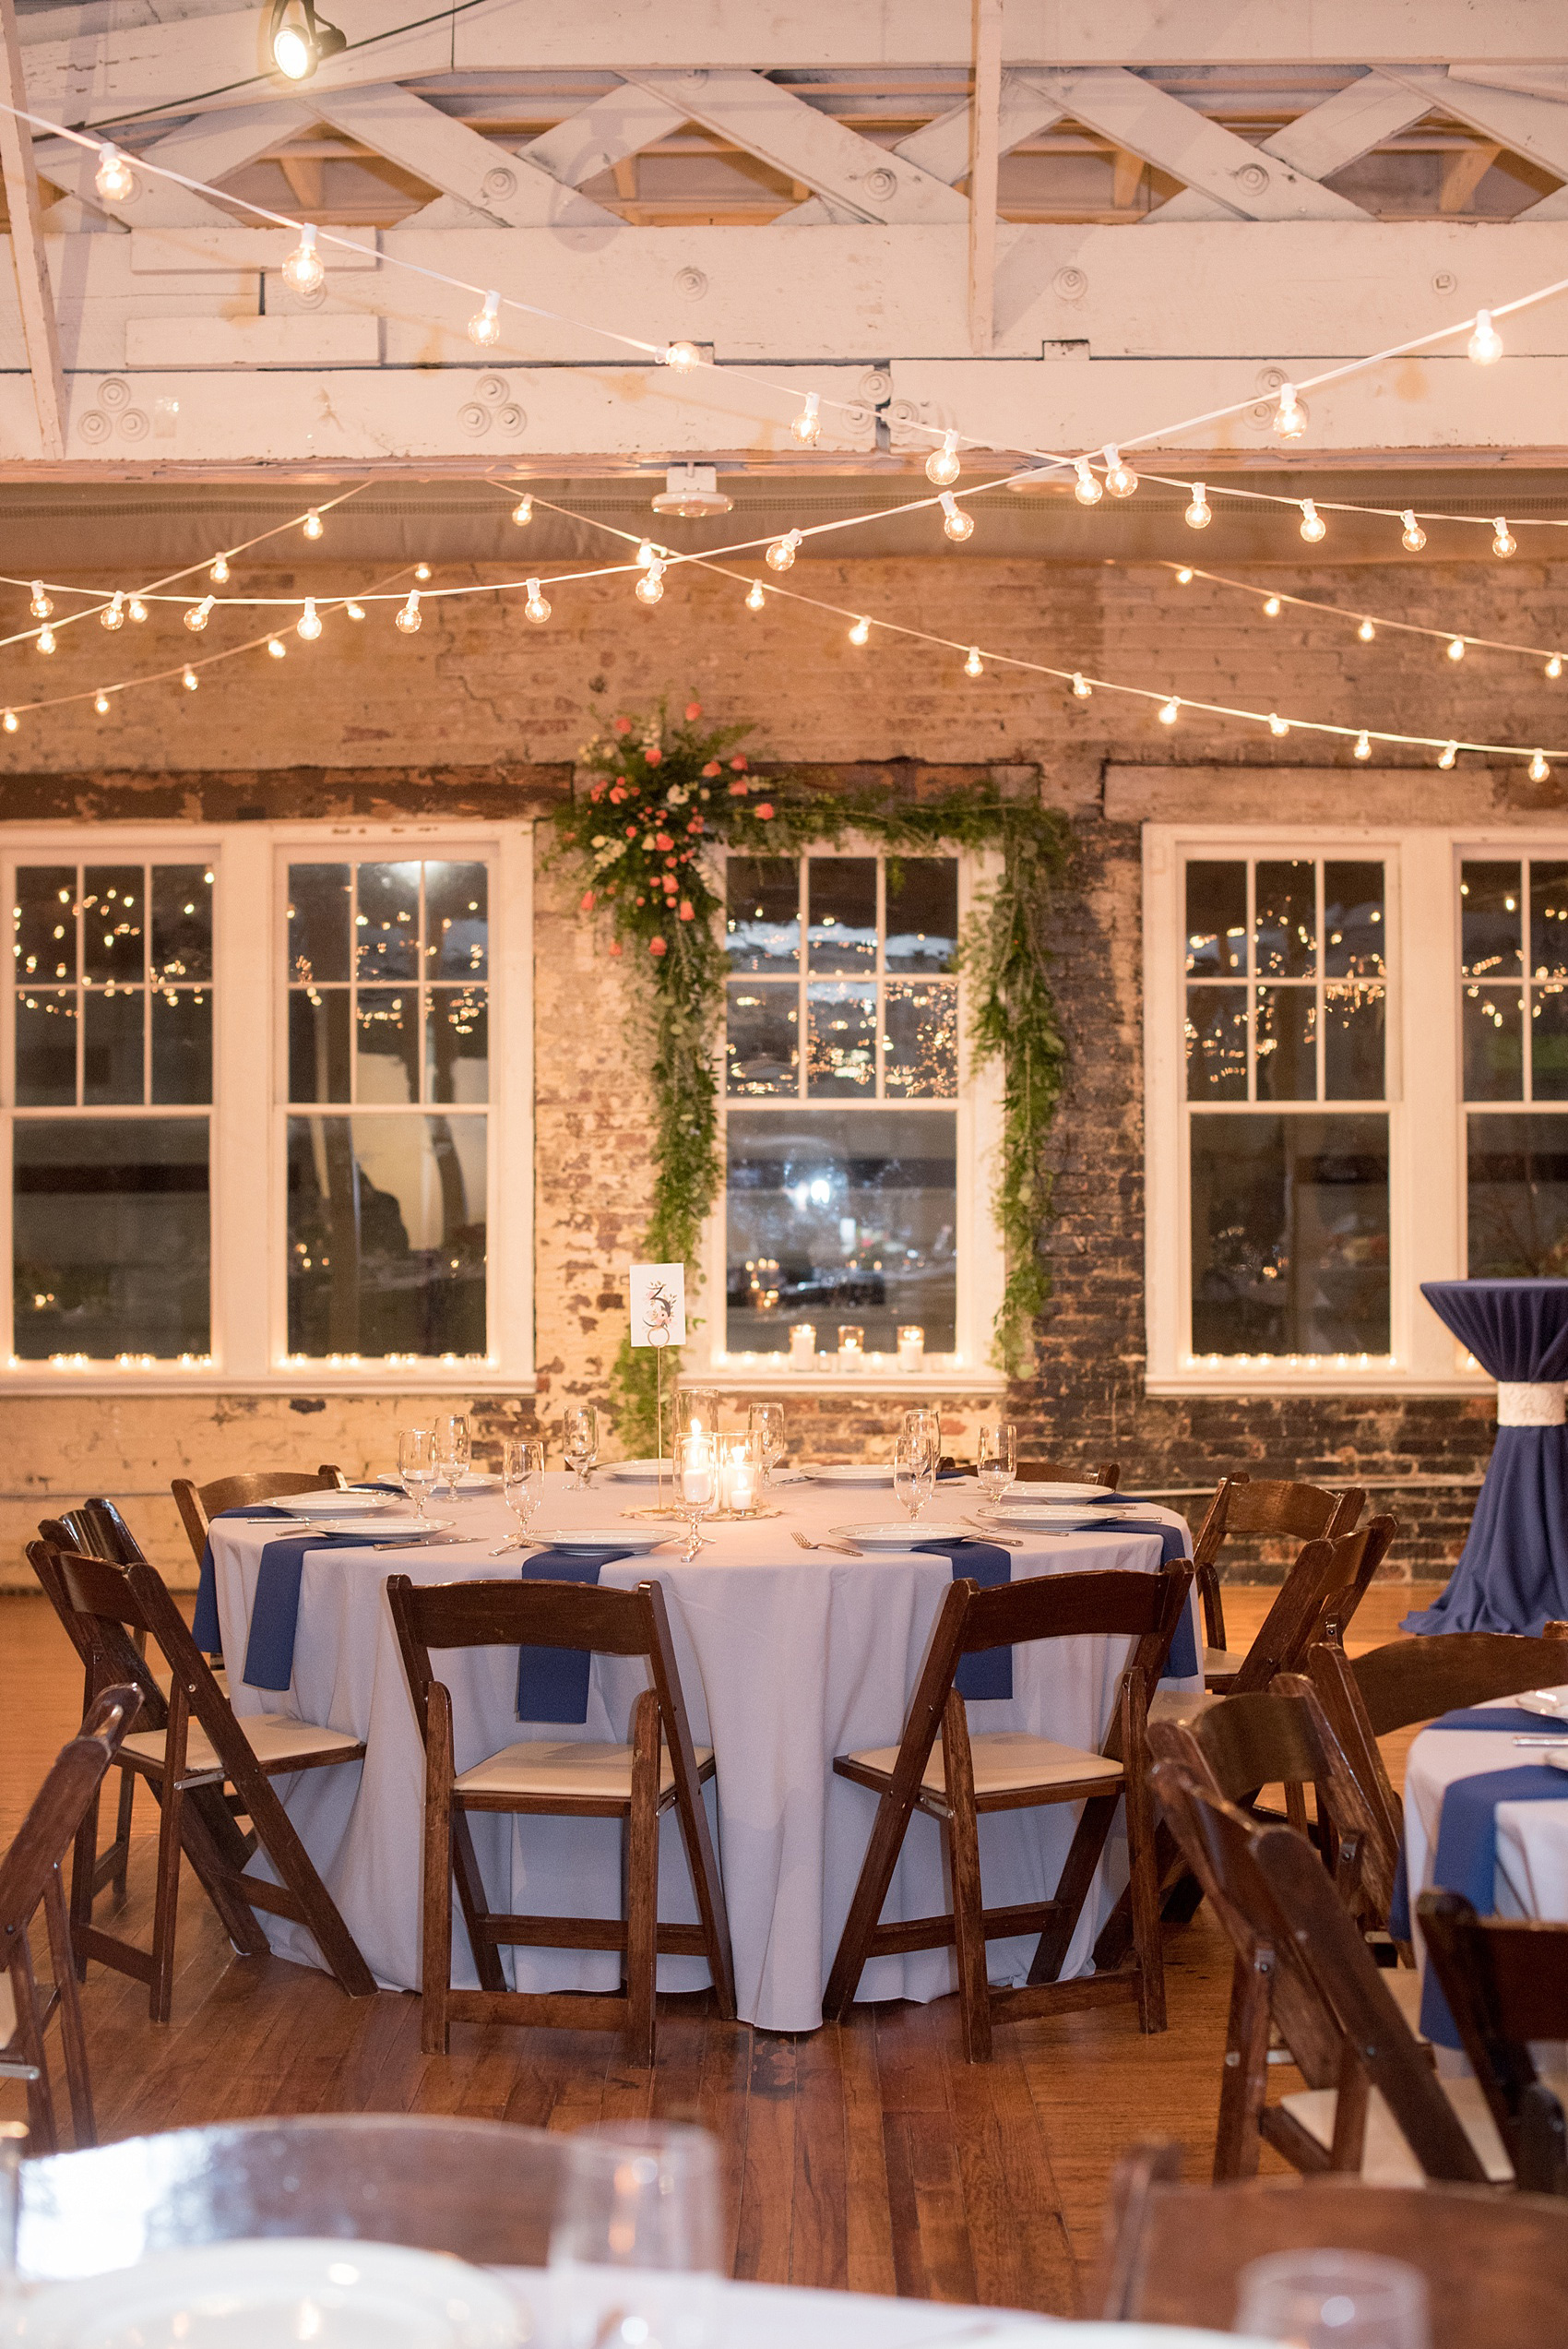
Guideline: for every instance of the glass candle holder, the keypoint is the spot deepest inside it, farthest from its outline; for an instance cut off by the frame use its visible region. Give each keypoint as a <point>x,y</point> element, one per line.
<point>742,1473</point>
<point>912,1346</point>
<point>802,1345</point>
<point>696,1411</point>
<point>851,1345</point>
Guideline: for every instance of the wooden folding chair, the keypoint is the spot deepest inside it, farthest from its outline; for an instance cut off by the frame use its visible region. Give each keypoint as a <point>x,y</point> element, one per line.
<point>1304,1969</point>
<point>111,1864</point>
<point>187,1765</point>
<point>1053,1472</point>
<point>1496,2268</point>
<point>1006,1771</point>
<point>1506,1983</point>
<point>1262,1510</point>
<point>199,1504</point>
<point>657,1769</point>
<point>31,1881</point>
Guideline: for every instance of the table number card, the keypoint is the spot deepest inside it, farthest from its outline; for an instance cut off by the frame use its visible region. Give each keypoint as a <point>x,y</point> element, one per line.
<point>659,1304</point>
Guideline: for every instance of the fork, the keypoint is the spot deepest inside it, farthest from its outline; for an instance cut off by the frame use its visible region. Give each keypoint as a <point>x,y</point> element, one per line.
<point>840,1549</point>
<point>1004,1541</point>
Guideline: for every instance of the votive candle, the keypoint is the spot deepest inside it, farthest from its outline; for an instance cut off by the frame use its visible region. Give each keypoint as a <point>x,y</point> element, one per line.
<point>803,1344</point>
<point>912,1346</point>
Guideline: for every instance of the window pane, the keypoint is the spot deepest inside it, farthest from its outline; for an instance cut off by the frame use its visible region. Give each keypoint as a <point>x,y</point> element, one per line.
<point>112,1047</point>
<point>1285,920</point>
<point>387,922</point>
<point>44,914</point>
<point>181,1044</point>
<point>1217,919</point>
<point>1354,944</point>
<point>845,1219</point>
<point>919,1043</point>
<point>1548,1043</point>
<point>762,1045</point>
<point>921,914</point>
<point>1353,1016</point>
<point>841,1040</point>
<point>456,921</point>
<point>1491,919</point>
<point>111,1238</point>
<point>318,921</point>
<point>457,1044</point>
<point>1548,919</point>
<point>1216,1043</point>
<point>181,921</point>
<point>762,912</point>
<point>386,1046</point>
<point>113,922</point>
<point>46,1048</point>
<point>1290,1234</point>
<point>1491,1020</point>
<point>1517,1198</point>
<point>1286,1044</point>
<point>387,1235</point>
<point>842,912</point>
<point>318,1045</point>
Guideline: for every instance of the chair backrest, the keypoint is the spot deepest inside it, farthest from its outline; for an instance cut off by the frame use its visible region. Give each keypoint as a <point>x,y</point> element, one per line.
<point>102,1633</point>
<point>1412,1680</point>
<point>1323,1573</point>
<point>1496,2267</point>
<point>56,1811</point>
<point>1272,1508</point>
<point>199,1504</point>
<point>113,1537</point>
<point>1051,1471</point>
<point>483,2190</point>
<point>1506,1983</point>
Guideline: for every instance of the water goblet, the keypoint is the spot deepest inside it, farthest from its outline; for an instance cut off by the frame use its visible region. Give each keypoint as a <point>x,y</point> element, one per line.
<point>1334,2300</point>
<point>417,1464</point>
<point>914,1474</point>
<point>581,1437</point>
<point>924,1427</point>
<point>635,2249</point>
<point>766,1422</point>
<point>522,1487</point>
<point>452,1447</point>
<point>998,1459</point>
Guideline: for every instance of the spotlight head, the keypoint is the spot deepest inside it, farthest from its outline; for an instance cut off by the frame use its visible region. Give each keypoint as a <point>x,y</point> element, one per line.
<point>300,41</point>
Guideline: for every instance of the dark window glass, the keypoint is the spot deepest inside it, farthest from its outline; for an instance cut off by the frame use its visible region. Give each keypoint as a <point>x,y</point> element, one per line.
<point>1491,1020</point>
<point>387,1235</point>
<point>318,1045</point>
<point>841,1040</point>
<point>1548,1043</point>
<point>457,1044</point>
<point>1286,1044</point>
<point>1355,918</point>
<point>762,1045</point>
<point>386,1044</point>
<point>1353,1043</point>
<point>181,1044</point>
<point>46,1047</point>
<point>1285,919</point>
<point>1516,1198</point>
<point>111,1236</point>
<point>113,922</point>
<point>920,923</point>
<point>456,921</point>
<point>842,912</point>
<point>318,921</point>
<point>837,1219</point>
<point>181,921</point>
<point>387,922</point>
<point>1216,1043</point>
<point>920,1042</point>
<point>762,912</point>
<point>1290,1234</point>
<point>1217,919</point>
<point>1548,919</point>
<point>44,915</point>
<point>111,1048</point>
<point>1492,920</point>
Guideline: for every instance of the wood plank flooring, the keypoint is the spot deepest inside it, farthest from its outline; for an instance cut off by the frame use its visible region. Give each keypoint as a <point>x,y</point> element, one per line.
<point>869,2158</point>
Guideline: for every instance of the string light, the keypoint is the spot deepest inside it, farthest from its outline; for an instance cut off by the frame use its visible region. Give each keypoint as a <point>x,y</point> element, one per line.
<point>1448,754</point>
<point>974,666</point>
<point>114,178</point>
<point>42,605</point>
<point>650,587</point>
<point>942,466</point>
<point>1185,575</point>
<point>954,522</point>
<point>354,611</point>
<point>755,598</point>
<point>522,513</point>
<point>409,618</point>
<point>1277,724</point>
<point>1199,513</point>
<point>1082,689</point>
<point>1554,666</point>
<point>101,702</point>
<point>646,556</point>
<point>309,623</point>
<point>861,632</point>
<point>136,609</point>
<point>1273,608</point>
<point>46,639</point>
<point>484,326</point>
<point>681,356</point>
<point>304,271</point>
<point>189,679</point>
<point>1539,772</point>
<point>537,608</point>
<point>807,427</point>
<point>1485,343</point>
<point>219,574</point>
<point>10,721</point>
<point>422,572</point>
<point>1313,527</point>
<point>199,613</point>
<point>1168,711</point>
<point>1120,478</point>
<point>1087,490</point>
<point>1503,542</point>
<point>1290,416</point>
<point>1366,632</point>
<point>1363,748</point>
<point>277,647</point>
<point>113,614</point>
<point>312,524</point>
<point>1456,648</point>
<point>781,553</point>
<point>1414,537</point>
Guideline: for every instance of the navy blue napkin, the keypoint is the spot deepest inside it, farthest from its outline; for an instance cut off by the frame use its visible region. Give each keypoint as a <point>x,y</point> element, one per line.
<point>553,1682</point>
<point>1182,1663</point>
<point>204,1625</point>
<point>275,1611</point>
<point>991,1674</point>
<point>1513,1718</point>
<point>1467,1862</point>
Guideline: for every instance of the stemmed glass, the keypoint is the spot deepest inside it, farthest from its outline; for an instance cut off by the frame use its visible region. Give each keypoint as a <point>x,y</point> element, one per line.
<point>764,1422</point>
<point>998,1460</point>
<point>522,1485</point>
<point>697,1483</point>
<point>581,1437</point>
<point>452,1447</point>
<point>1334,2300</point>
<point>924,1427</point>
<point>417,1464</point>
<point>635,2249</point>
<point>914,1474</point>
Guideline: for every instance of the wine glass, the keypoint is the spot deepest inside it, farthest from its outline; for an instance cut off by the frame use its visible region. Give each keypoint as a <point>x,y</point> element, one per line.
<point>635,2249</point>
<point>581,1437</point>
<point>452,1447</point>
<point>764,1422</point>
<point>697,1480</point>
<point>998,1460</point>
<point>417,1464</point>
<point>924,1427</point>
<point>1334,2300</point>
<point>914,1474</point>
<point>522,1485</point>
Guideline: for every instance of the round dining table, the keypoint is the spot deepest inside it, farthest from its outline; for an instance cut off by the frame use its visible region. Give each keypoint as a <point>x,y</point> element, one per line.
<point>787,1656</point>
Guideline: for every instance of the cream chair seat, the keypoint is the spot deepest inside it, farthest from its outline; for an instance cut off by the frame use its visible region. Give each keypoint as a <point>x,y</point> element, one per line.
<point>566,1766</point>
<point>1387,2159</point>
<point>1006,1761</point>
<point>273,1737</point>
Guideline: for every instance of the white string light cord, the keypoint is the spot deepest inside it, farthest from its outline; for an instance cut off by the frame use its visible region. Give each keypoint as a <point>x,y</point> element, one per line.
<point>1457,641</point>
<point>304,271</point>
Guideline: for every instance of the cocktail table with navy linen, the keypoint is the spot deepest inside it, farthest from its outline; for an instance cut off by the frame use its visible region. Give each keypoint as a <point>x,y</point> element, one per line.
<point>786,1657</point>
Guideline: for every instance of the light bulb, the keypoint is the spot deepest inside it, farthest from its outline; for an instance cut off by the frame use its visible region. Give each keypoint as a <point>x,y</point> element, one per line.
<point>113,614</point>
<point>355,610</point>
<point>1448,754</point>
<point>484,326</point>
<point>537,608</point>
<point>1313,527</point>
<point>1503,542</point>
<point>781,553</point>
<point>1485,343</point>
<point>974,666</point>
<point>861,632</point>
<point>1185,575</point>
<point>219,574</point>
<point>190,680</point>
<point>1199,514</point>
<point>681,356</point>
<point>808,424</point>
<point>41,603</point>
<point>114,178</point>
<point>408,619</point>
<point>1539,769</point>
<point>1366,632</point>
<point>101,702</point>
<point>136,609</point>
<point>309,623</point>
<point>1363,748</point>
<point>1277,724</point>
<point>954,522</point>
<point>293,52</point>
<point>755,599</point>
<point>1290,416</point>
<point>198,613</point>
<point>303,271</point>
<point>1120,478</point>
<point>1413,536</point>
<point>422,572</point>
<point>522,513</point>
<point>10,721</point>
<point>650,587</point>
<point>646,556</point>
<point>1456,648</point>
<point>942,466</point>
<point>1082,689</point>
<point>1554,666</point>
<point>277,648</point>
<point>1087,489</point>
<point>312,524</point>
<point>46,639</point>
<point>1168,710</point>
<point>1273,608</point>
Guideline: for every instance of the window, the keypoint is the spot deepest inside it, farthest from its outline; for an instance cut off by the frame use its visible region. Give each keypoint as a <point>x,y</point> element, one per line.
<point>254,1122</point>
<point>1514,1022</point>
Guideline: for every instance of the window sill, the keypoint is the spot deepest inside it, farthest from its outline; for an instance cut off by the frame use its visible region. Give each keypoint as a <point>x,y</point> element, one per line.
<point>99,1379</point>
<point>875,1377</point>
<point>1385,1377</point>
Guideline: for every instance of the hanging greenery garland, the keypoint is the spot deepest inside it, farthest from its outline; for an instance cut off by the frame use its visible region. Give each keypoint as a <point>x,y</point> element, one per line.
<point>663,795</point>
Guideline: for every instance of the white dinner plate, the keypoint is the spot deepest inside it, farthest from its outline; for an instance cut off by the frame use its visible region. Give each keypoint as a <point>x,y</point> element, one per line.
<point>1552,1702</point>
<point>904,1536</point>
<point>383,1531</point>
<point>1023,1514</point>
<point>637,1538</point>
<point>252,2296</point>
<point>635,1472</point>
<point>337,1504</point>
<point>1100,1495</point>
<point>858,1471</point>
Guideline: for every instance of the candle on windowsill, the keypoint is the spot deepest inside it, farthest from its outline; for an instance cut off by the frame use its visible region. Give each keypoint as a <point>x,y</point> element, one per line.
<point>911,1347</point>
<point>851,1345</point>
<point>802,1345</point>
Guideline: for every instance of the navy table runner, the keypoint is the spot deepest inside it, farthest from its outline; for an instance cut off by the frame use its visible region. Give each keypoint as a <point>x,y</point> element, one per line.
<point>204,1627</point>
<point>553,1682</point>
<point>1467,1862</point>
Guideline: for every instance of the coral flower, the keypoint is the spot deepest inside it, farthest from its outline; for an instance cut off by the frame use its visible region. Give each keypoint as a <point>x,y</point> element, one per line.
<point>654,755</point>
<point>662,839</point>
<point>623,725</point>
<point>713,767</point>
<point>656,946</point>
<point>694,709</point>
<point>739,762</point>
<point>587,906</point>
<point>618,791</point>
<point>686,913</point>
<point>739,791</point>
<point>763,808</point>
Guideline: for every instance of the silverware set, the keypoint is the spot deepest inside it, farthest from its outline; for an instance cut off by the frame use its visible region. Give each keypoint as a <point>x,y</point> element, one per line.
<point>842,1549</point>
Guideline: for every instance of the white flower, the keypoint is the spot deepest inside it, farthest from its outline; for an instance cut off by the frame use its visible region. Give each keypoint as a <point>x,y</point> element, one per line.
<point>676,796</point>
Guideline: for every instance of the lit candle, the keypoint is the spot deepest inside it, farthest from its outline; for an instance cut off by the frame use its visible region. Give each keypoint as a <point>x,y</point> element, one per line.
<point>696,1469</point>
<point>912,1346</point>
<point>851,1344</point>
<point>802,1345</point>
<point>741,1478</point>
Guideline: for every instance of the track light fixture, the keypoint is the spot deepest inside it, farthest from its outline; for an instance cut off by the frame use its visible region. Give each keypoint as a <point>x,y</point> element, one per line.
<point>299,39</point>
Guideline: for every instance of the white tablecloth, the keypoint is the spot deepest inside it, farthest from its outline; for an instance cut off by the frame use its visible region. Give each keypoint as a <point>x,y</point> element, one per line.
<point>1532,1838</point>
<point>786,1658</point>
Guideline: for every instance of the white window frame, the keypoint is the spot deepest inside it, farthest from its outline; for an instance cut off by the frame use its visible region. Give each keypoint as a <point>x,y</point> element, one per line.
<point>980,1272</point>
<point>248,1176</point>
<point>1426,1110</point>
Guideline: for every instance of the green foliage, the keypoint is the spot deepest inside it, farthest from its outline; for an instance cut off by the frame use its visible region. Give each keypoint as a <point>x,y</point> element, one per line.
<point>663,795</point>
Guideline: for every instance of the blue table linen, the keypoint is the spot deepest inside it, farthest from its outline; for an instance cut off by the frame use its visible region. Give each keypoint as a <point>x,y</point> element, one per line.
<point>1467,1862</point>
<point>275,1610</point>
<point>204,1628</point>
<point>553,1682</point>
<point>990,1675</point>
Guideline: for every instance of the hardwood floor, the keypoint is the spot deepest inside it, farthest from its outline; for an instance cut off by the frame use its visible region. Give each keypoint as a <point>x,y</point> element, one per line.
<point>869,2158</point>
